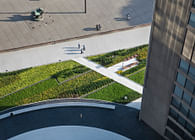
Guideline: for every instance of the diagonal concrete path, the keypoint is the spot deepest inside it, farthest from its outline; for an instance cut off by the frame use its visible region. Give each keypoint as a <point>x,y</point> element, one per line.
<point>135,104</point>
<point>106,72</point>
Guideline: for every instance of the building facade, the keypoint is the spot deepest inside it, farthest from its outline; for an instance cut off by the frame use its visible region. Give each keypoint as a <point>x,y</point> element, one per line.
<point>168,103</point>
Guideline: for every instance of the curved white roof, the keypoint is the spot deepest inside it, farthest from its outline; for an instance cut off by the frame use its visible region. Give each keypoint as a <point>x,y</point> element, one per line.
<point>69,133</point>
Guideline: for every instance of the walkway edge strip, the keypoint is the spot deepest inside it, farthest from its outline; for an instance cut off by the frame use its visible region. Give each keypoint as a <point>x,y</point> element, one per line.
<point>46,106</point>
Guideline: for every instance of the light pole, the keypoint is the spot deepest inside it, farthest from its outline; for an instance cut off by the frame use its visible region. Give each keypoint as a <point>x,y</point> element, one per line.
<point>85,4</point>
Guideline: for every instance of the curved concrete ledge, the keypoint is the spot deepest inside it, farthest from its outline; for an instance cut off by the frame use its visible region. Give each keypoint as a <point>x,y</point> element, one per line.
<point>116,118</point>
<point>66,104</point>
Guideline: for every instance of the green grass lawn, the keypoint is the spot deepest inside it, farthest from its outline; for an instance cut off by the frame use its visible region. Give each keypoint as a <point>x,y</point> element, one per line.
<point>115,93</point>
<point>138,77</point>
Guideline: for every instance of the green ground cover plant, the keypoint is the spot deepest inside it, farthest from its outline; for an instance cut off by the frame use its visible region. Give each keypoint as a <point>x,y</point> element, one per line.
<point>50,89</point>
<point>115,93</point>
<point>115,57</point>
<point>27,95</point>
<point>69,72</point>
<point>141,65</point>
<point>10,82</point>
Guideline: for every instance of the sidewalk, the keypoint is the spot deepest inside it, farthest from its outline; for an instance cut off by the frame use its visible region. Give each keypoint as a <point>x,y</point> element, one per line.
<point>11,61</point>
<point>106,72</point>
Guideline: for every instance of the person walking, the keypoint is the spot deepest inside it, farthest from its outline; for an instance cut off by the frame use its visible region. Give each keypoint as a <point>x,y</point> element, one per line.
<point>128,16</point>
<point>79,46</point>
<point>83,47</point>
<point>81,51</point>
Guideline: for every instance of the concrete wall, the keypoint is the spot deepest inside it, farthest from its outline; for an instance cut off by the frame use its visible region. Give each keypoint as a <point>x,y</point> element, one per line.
<point>166,43</point>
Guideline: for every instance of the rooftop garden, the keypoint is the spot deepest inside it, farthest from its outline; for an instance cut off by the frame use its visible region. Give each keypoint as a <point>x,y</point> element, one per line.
<point>71,80</point>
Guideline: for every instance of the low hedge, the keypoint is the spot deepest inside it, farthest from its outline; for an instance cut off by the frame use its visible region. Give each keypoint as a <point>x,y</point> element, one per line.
<point>141,65</point>
<point>115,57</point>
<point>67,73</point>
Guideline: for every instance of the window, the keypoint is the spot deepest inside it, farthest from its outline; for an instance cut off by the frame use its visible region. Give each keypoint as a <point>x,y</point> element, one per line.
<point>193,104</point>
<point>189,127</point>
<point>183,66</point>
<point>181,120</point>
<point>184,109</point>
<point>192,72</point>
<point>175,103</point>
<point>178,91</point>
<point>175,128</point>
<point>193,4</point>
<point>186,137</point>
<point>169,134</point>
<point>181,79</point>
<point>173,114</point>
<point>192,116</point>
<point>186,98</point>
<point>192,20</point>
<point>189,86</point>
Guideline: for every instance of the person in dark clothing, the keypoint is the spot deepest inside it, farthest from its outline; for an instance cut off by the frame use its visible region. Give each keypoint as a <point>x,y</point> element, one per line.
<point>79,46</point>
<point>83,47</point>
<point>81,51</point>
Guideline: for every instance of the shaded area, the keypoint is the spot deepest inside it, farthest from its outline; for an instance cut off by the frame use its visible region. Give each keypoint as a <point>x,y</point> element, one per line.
<point>49,13</point>
<point>70,48</point>
<point>16,18</point>
<point>140,12</point>
<point>120,19</point>
<point>89,29</point>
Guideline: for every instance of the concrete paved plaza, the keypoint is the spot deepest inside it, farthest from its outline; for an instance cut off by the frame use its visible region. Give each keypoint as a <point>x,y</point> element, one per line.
<point>65,19</point>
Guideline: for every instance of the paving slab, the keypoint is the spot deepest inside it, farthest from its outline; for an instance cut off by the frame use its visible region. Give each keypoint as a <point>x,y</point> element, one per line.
<point>66,19</point>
